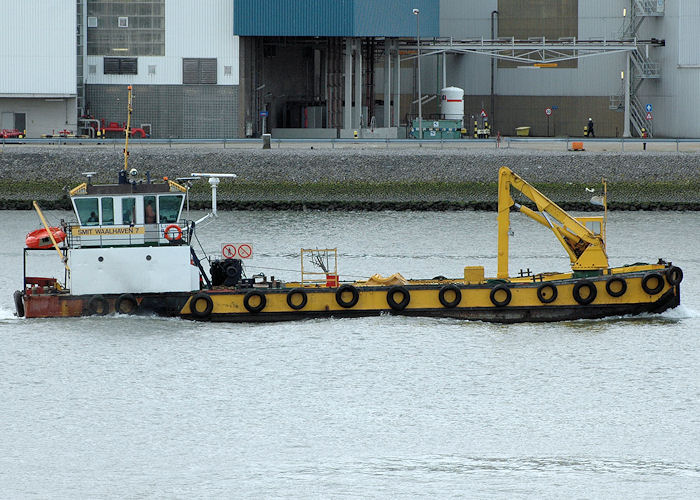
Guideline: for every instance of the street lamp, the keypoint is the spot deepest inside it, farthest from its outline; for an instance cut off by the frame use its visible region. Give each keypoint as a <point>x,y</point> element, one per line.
<point>416,13</point>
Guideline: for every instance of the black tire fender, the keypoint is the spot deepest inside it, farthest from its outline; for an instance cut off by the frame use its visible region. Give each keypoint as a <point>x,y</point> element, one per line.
<point>674,275</point>
<point>592,292</point>
<point>126,298</point>
<point>304,299</point>
<point>504,302</point>
<point>653,290</point>
<point>98,305</point>
<point>209,305</point>
<point>347,303</point>
<point>406,297</point>
<point>611,281</point>
<point>19,303</point>
<point>250,295</point>
<point>541,293</point>
<point>450,288</point>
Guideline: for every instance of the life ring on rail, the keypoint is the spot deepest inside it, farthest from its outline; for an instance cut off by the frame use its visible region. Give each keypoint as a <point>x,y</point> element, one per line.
<point>254,308</point>
<point>126,303</point>
<point>505,300</point>
<point>592,292</point>
<point>547,293</point>
<point>201,305</point>
<point>170,237</point>
<point>650,288</point>
<point>355,296</point>
<point>674,275</point>
<point>391,300</point>
<point>98,305</point>
<point>40,240</point>
<point>616,286</point>
<point>297,292</point>
<point>447,289</point>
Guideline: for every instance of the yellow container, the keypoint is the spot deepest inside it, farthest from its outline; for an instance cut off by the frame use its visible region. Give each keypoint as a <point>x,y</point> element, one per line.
<point>474,274</point>
<point>522,131</point>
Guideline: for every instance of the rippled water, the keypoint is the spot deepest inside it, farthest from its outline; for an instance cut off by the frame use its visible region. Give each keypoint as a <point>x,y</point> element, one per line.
<point>369,407</point>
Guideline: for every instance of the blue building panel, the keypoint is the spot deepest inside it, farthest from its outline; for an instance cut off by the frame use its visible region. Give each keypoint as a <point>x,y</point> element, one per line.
<point>342,18</point>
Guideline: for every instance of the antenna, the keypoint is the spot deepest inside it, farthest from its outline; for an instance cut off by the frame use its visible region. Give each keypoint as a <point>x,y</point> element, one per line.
<point>89,175</point>
<point>213,182</point>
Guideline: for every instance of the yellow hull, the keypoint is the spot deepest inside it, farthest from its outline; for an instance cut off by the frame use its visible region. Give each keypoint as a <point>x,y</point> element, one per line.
<point>556,297</point>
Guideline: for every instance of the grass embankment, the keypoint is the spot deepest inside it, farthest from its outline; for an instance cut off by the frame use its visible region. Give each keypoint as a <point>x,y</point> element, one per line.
<point>358,195</point>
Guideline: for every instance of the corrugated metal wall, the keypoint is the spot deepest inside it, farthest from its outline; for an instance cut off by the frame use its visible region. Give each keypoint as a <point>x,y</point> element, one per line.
<point>675,97</point>
<point>349,18</point>
<point>526,92</point>
<point>38,54</point>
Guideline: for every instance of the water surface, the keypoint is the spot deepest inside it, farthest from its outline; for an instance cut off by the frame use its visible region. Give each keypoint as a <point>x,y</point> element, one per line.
<point>369,407</point>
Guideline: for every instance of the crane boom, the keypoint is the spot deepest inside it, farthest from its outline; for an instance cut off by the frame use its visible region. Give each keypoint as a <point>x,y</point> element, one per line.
<point>586,248</point>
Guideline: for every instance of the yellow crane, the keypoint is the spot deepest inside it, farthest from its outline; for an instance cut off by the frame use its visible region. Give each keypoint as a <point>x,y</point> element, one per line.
<point>583,238</point>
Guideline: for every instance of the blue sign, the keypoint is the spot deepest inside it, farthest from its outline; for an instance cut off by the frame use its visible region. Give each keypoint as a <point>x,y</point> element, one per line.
<point>649,109</point>
<point>555,107</point>
<point>263,114</point>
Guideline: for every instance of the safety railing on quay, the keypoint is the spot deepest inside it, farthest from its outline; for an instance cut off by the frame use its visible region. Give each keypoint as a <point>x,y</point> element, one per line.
<point>508,142</point>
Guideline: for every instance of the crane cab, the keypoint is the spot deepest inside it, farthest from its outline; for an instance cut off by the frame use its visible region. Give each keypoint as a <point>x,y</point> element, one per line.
<point>595,224</point>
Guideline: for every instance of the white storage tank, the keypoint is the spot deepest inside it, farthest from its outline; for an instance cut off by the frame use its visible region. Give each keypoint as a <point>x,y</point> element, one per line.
<point>452,103</point>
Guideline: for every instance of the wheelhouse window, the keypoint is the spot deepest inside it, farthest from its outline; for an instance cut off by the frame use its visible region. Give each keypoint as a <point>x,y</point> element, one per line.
<point>128,210</point>
<point>149,210</point>
<point>87,211</point>
<point>107,211</point>
<point>169,207</point>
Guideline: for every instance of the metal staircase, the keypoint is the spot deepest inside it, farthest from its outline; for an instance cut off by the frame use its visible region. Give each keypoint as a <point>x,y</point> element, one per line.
<point>641,68</point>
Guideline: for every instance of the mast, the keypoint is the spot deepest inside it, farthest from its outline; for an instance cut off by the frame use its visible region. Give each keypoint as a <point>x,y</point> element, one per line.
<point>126,131</point>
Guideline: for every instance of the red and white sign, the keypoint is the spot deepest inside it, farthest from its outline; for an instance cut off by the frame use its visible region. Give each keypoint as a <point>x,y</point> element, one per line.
<point>548,111</point>
<point>245,251</point>
<point>228,251</point>
<point>240,250</point>
<point>483,113</point>
<point>649,117</point>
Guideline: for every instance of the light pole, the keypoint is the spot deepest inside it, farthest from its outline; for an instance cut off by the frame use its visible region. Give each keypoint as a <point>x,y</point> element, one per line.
<point>493,104</point>
<point>416,12</point>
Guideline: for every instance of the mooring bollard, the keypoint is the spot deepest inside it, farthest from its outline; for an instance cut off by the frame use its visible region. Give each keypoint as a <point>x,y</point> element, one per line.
<point>266,141</point>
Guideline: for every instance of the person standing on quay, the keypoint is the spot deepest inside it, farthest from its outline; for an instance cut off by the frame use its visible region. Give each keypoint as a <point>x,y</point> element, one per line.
<point>591,133</point>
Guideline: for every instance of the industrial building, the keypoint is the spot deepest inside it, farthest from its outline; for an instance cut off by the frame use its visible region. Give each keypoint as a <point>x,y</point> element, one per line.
<point>347,68</point>
<point>38,67</point>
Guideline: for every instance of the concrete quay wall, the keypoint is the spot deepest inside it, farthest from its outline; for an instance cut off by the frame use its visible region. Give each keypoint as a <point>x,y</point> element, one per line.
<point>361,178</point>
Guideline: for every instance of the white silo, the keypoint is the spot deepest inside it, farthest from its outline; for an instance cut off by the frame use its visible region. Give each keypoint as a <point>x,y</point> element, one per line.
<point>452,103</point>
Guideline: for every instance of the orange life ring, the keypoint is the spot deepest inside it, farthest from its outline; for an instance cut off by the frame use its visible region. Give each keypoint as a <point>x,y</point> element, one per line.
<point>39,239</point>
<point>178,233</point>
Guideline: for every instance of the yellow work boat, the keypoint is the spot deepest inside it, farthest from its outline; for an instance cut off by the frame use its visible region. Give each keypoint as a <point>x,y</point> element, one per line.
<point>130,252</point>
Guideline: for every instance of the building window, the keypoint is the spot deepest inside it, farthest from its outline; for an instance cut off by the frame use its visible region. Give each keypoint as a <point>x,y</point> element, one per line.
<point>120,66</point>
<point>136,25</point>
<point>92,69</point>
<point>227,70</point>
<point>198,71</point>
<point>151,69</point>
